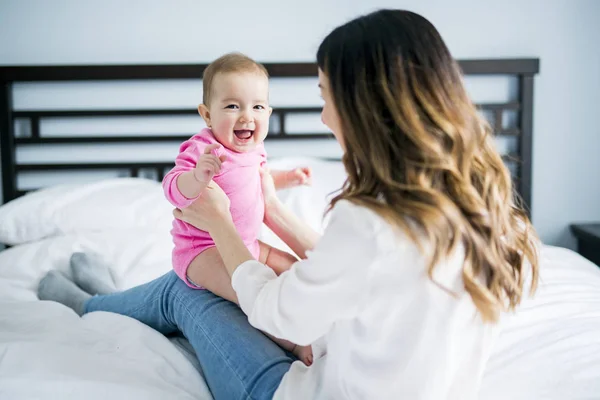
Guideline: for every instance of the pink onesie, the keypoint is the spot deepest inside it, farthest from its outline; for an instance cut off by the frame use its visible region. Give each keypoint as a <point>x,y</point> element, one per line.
<point>240,180</point>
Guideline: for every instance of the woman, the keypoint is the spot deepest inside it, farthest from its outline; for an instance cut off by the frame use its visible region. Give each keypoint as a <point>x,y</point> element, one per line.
<point>425,249</point>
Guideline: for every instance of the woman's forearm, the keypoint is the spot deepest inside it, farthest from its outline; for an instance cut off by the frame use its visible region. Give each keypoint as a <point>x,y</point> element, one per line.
<point>295,233</point>
<point>279,179</point>
<point>231,247</point>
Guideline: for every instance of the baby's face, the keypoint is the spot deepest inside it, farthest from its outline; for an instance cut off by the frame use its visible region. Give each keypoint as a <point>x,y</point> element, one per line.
<point>239,110</point>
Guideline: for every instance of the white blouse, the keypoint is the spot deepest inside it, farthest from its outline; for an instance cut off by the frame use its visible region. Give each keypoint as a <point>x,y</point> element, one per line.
<point>380,328</point>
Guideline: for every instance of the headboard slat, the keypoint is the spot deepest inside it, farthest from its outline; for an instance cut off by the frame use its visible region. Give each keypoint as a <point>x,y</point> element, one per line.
<point>526,138</point>
<point>7,142</point>
<point>194,71</point>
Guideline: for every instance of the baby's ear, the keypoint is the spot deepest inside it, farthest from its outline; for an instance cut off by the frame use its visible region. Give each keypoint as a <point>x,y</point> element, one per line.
<point>204,113</point>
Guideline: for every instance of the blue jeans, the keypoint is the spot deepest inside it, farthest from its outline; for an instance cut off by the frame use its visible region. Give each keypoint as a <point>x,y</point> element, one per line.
<point>238,361</point>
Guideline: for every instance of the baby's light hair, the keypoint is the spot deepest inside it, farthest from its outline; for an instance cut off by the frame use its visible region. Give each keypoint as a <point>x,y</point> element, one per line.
<point>231,62</point>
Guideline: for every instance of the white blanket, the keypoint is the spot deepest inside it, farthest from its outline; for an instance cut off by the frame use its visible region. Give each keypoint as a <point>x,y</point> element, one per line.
<point>48,352</point>
<point>550,349</point>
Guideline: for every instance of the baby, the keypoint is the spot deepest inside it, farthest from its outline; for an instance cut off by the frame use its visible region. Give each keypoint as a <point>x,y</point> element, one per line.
<point>230,152</point>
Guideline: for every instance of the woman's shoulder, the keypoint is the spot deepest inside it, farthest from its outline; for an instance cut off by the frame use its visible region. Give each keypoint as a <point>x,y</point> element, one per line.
<point>388,241</point>
<point>357,213</point>
<point>361,217</point>
<point>373,226</point>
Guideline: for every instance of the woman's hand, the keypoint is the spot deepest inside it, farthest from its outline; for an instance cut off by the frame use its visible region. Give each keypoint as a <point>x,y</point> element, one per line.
<point>210,210</point>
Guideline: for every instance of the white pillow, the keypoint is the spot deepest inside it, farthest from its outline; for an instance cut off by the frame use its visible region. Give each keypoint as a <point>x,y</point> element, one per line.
<point>120,203</point>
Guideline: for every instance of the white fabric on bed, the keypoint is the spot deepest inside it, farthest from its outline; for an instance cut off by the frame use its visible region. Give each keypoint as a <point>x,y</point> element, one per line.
<point>102,355</point>
<point>47,351</point>
<point>549,350</point>
<point>136,256</point>
<point>130,203</point>
<point>120,203</point>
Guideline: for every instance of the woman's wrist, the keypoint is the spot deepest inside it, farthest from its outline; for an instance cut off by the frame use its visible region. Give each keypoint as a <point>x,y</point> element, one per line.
<point>224,220</point>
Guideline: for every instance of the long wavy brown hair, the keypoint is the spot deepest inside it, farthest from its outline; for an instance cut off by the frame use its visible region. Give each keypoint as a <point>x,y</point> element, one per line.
<point>418,153</point>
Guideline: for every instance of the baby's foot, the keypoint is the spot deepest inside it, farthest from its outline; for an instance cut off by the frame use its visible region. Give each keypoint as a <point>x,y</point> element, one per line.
<point>57,287</point>
<point>92,274</point>
<point>304,354</point>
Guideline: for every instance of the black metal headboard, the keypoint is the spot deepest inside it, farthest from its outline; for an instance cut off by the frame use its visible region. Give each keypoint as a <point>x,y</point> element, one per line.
<point>523,69</point>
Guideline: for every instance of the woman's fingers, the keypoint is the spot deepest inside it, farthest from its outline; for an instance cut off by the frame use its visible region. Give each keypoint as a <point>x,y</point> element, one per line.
<point>177,213</point>
<point>208,211</point>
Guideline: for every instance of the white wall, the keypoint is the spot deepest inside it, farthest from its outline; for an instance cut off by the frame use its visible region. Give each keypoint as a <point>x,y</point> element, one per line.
<point>564,34</point>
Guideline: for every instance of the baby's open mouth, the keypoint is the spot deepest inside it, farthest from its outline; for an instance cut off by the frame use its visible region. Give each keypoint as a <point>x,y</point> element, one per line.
<point>243,134</point>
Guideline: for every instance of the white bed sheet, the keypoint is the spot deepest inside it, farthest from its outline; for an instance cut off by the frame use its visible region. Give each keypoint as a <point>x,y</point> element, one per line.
<point>549,350</point>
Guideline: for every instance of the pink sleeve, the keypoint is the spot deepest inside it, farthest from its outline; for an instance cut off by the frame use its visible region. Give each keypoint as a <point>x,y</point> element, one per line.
<point>189,151</point>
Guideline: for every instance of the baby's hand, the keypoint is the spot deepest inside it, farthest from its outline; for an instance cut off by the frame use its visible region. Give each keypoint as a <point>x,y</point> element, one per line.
<point>299,176</point>
<point>304,354</point>
<point>208,165</point>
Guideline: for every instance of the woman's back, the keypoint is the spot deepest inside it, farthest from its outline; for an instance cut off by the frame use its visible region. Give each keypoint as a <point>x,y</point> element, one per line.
<point>400,333</point>
<point>416,325</point>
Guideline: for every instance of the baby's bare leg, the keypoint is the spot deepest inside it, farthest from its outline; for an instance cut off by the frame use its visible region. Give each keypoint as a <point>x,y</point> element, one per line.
<point>276,259</point>
<point>208,271</point>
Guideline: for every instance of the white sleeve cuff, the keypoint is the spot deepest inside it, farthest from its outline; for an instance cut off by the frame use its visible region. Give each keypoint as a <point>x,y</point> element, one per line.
<point>247,281</point>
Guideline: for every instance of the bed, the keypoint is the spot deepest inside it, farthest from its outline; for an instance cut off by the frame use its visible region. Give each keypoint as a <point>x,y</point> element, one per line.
<point>68,187</point>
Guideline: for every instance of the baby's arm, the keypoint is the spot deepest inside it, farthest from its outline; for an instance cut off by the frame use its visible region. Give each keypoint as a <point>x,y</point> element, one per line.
<point>189,186</point>
<point>195,166</point>
<point>291,178</point>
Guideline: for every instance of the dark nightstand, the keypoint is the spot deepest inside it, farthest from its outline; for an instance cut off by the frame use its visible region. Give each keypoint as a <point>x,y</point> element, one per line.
<point>588,241</point>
